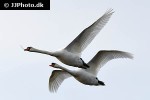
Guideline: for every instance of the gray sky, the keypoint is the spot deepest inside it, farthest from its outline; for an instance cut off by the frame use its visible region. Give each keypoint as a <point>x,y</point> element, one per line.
<point>24,75</point>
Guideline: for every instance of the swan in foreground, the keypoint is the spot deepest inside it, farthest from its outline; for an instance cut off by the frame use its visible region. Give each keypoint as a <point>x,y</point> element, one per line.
<point>71,54</point>
<point>86,76</point>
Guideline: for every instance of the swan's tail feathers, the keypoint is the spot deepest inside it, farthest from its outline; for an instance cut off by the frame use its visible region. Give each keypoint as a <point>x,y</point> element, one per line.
<point>101,83</point>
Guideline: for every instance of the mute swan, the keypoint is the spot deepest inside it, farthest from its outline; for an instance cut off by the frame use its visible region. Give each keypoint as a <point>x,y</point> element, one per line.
<point>71,54</point>
<point>86,76</point>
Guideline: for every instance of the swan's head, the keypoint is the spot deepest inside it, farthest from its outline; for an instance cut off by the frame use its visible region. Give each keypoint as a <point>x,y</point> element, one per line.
<point>55,65</point>
<point>29,49</point>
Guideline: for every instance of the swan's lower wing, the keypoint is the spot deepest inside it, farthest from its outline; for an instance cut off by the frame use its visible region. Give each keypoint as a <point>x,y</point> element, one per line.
<point>56,78</point>
<point>102,57</point>
<point>88,34</point>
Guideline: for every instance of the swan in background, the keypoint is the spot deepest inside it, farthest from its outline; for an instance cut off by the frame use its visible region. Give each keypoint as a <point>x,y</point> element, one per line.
<point>86,76</point>
<point>71,54</point>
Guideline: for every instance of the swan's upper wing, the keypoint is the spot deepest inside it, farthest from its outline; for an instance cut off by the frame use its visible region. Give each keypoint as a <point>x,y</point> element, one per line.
<point>102,57</point>
<point>88,34</point>
<point>56,78</point>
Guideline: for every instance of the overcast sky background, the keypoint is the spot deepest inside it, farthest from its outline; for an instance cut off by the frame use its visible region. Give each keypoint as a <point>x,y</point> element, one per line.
<point>25,75</point>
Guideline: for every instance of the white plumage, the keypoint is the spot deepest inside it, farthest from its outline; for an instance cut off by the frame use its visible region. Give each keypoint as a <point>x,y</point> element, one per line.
<point>71,54</point>
<point>86,76</point>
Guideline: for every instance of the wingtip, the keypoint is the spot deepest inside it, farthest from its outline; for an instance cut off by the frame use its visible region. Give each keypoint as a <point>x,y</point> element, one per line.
<point>130,55</point>
<point>52,90</point>
<point>110,11</point>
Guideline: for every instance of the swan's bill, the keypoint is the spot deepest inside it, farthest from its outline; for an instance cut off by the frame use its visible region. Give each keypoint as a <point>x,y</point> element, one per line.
<point>52,64</point>
<point>27,49</point>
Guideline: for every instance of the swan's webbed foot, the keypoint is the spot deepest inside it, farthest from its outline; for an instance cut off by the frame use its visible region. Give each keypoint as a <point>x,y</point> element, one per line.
<point>101,83</point>
<point>85,66</point>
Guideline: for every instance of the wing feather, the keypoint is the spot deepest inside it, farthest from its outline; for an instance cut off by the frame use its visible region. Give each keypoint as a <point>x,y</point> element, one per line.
<point>102,57</point>
<point>88,34</point>
<point>56,79</point>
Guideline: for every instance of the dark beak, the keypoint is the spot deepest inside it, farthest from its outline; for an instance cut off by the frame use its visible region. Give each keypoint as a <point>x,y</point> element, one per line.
<point>50,65</point>
<point>25,49</point>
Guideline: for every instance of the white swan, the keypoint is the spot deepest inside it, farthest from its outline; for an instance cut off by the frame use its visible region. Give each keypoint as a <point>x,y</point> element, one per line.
<point>86,76</point>
<point>71,55</point>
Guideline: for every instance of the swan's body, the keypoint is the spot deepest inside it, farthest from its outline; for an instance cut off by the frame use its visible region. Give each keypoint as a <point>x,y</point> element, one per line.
<point>86,76</point>
<point>71,55</point>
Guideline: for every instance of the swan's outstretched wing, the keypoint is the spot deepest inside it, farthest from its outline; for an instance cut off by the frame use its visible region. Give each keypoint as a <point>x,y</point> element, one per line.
<point>56,78</point>
<point>102,57</point>
<point>88,34</point>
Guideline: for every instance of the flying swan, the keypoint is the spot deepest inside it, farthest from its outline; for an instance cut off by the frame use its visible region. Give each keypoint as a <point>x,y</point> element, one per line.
<point>71,54</point>
<point>86,76</point>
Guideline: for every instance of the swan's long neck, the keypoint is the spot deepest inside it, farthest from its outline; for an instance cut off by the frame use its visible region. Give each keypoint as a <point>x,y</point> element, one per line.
<point>43,52</point>
<point>73,73</point>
